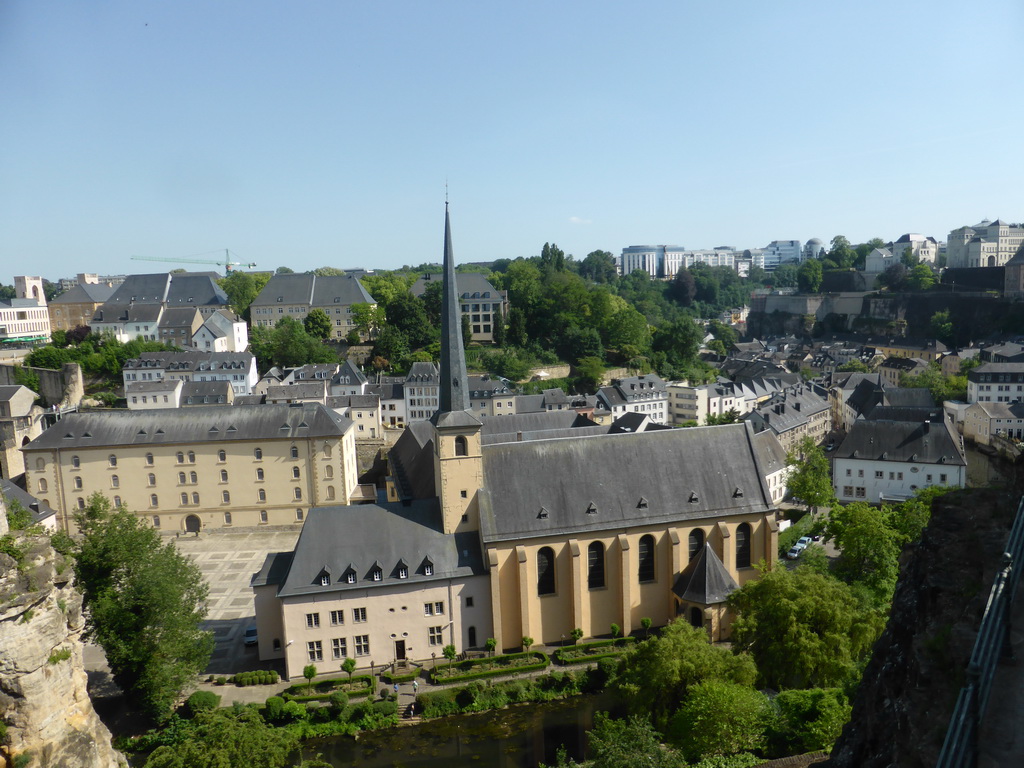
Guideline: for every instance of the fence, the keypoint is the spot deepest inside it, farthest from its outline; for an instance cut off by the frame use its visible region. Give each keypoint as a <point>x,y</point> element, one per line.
<point>960,749</point>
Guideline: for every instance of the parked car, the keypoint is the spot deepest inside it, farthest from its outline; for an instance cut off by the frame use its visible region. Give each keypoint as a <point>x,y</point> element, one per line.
<point>804,542</point>
<point>250,636</point>
<point>794,552</point>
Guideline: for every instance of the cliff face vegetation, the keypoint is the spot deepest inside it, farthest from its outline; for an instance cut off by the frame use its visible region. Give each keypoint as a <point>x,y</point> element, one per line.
<point>901,710</point>
<point>44,706</point>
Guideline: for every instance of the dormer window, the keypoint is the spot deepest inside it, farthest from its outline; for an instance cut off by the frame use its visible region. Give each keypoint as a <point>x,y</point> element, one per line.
<point>428,568</point>
<point>377,574</point>
<point>642,504</point>
<point>350,578</point>
<point>325,580</point>
<point>592,509</point>
<point>403,572</point>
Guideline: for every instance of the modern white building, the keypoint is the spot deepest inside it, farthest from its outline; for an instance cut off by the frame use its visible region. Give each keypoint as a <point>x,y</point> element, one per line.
<point>925,248</point>
<point>25,317</point>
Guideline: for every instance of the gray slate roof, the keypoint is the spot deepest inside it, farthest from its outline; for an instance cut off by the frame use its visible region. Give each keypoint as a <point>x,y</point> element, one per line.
<point>468,283</point>
<point>705,580</point>
<point>687,474</point>
<point>904,441</point>
<point>390,535</point>
<point>770,452</point>
<point>313,290</point>
<point>89,293</point>
<point>213,423</point>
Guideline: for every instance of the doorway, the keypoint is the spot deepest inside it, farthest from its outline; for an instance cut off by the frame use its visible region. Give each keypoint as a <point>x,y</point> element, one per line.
<point>697,617</point>
<point>399,650</point>
<point>193,524</point>
<point>471,632</point>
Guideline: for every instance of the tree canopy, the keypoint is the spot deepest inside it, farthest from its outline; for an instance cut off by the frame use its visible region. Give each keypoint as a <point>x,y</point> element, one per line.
<point>810,478</point>
<point>144,605</point>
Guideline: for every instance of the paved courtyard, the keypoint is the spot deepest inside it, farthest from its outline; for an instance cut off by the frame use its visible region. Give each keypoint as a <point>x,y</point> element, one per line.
<point>228,560</point>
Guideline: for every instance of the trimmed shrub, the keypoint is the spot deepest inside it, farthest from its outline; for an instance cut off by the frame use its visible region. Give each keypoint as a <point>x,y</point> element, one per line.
<point>274,708</point>
<point>200,701</point>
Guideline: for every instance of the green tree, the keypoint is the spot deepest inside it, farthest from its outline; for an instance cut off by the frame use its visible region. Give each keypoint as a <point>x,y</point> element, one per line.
<point>720,718</point>
<point>802,628</point>
<point>683,288</point>
<point>589,375</point>
<point>490,645</point>
<point>309,672</point>
<point>599,267</point>
<point>576,634</point>
<point>729,417</point>
<point>407,314</point>
<point>223,738</point>
<point>808,276</point>
<point>785,276</point>
<point>290,345</point>
<point>449,653</point>
<point>144,603</point>
<point>854,366</point>
<point>920,278</point>
<point>433,301</point>
<point>328,272</point>
<point>367,318</point>
<point>349,666</point>
<point>527,642</point>
<point>808,720</point>
<point>645,624</point>
<point>242,288</point>
<point>284,271</point>
<point>317,324</point>
<point>809,478</point>
<point>657,673</point>
<point>629,743</point>
<point>870,548</point>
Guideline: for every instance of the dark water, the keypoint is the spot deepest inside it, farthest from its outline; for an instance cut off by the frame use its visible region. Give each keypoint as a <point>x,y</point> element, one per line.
<point>522,736</point>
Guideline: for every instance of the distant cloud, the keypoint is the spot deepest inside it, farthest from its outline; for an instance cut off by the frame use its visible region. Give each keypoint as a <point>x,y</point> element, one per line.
<point>578,220</point>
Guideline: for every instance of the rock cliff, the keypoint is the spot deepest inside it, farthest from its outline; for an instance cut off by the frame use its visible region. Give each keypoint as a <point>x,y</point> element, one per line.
<point>902,708</point>
<point>44,705</point>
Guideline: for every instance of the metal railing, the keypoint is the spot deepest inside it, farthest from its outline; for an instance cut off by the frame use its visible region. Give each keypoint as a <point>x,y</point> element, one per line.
<point>960,749</point>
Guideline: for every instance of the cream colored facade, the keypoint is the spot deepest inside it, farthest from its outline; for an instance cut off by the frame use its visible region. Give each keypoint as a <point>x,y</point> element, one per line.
<point>382,624</point>
<point>623,599</point>
<point>199,484</point>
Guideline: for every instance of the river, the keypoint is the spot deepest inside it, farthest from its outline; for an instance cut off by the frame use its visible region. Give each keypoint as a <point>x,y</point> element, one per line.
<point>522,736</point>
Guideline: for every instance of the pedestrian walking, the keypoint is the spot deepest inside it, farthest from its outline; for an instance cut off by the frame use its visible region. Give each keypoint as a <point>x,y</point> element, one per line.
<point>396,689</point>
<point>415,687</point>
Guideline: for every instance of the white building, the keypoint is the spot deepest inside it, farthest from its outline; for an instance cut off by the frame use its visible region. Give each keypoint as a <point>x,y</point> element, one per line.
<point>986,244</point>
<point>890,460</point>
<point>880,260</point>
<point>924,248</point>
<point>239,368</point>
<point>223,331</point>
<point>25,317</point>
<point>637,394</point>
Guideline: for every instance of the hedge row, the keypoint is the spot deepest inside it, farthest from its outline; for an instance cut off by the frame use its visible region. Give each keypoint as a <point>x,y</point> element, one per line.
<point>256,677</point>
<point>580,654</point>
<point>387,677</point>
<point>503,669</point>
<point>324,688</point>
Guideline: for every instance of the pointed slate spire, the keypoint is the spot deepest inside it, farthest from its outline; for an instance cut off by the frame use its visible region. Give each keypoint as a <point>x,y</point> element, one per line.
<point>454,395</point>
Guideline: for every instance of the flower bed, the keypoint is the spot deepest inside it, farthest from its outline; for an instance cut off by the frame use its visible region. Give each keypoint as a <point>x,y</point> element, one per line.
<point>584,653</point>
<point>474,669</point>
<point>360,685</point>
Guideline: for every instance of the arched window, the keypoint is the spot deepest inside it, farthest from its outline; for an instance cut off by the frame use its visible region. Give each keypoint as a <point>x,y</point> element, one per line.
<point>645,558</point>
<point>180,457</point>
<point>259,473</point>
<point>42,485</point>
<point>298,515</point>
<point>156,521</point>
<point>40,463</point>
<point>546,571</point>
<point>151,478</point>
<point>115,481</point>
<point>696,542</point>
<point>295,473</point>
<point>461,446</point>
<point>195,498</point>
<point>258,453</point>
<point>330,492</point>
<point>149,459</point>
<point>222,455</point>
<point>76,462</point>
<point>154,501</point>
<point>191,457</point>
<point>262,495</point>
<point>184,498</point>
<point>743,545</point>
<point>223,475</point>
<point>193,478</point>
<point>595,565</point>
<point>226,495</point>
<point>295,451</point>
<point>227,518</point>
<point>181,478</point>
<point>112,460</point>
<point>117,502</point>
<point>329,472</point>
<point>78,483</point>
<point>298,494</point>
<point>327,450</point>
<point>81,503</point>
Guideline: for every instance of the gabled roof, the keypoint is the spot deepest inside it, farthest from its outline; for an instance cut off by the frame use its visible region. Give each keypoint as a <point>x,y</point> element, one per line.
<point>471,285</point>
<point>902,441</point>
<point>313,290</point>
<point>88,293</point>
<point>705,581</point>
<point>388,534</point>
<point>214,423</point>
<point>704,463</point>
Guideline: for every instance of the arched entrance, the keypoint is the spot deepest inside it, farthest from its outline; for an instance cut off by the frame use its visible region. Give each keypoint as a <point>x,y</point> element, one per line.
<point>193,524</point>
<point>697,617</point>
<point>471,636</point>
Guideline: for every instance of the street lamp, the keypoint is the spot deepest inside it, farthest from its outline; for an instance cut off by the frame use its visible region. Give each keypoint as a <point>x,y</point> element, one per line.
<point>433,656</point>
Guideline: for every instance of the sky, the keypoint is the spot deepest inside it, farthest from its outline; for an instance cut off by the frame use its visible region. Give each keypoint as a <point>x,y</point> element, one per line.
<point>308,134</point>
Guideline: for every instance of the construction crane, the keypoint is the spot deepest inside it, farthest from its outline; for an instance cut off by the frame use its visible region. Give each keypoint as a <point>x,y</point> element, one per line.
<point>225,262</point>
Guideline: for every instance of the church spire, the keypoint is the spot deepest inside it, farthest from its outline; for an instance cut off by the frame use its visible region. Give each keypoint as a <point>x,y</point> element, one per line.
<point>454,394</point>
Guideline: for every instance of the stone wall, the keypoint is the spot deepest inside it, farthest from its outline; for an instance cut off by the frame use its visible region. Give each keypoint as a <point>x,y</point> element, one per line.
<point>43,699</point>
<point>65,387</point>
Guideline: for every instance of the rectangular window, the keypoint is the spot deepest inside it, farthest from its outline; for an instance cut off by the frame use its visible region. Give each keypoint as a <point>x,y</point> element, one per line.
<point>942,478</point>
<point>358,615</point>
<point>860,493</point>
<point>339,647</point>
<point>879,474</point>
<point>312,620</point>
<point>860,473</point>
<point>847,490</point>
<point>315,649</point>
<point>439,609</point>
<point>434,636</point>
<point>428,609</point>
<point>849,472</point>
<point>362,645</point>
<point>337,617</point>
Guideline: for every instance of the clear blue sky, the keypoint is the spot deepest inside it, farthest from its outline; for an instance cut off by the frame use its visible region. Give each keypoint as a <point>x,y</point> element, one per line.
<point>322,133</point>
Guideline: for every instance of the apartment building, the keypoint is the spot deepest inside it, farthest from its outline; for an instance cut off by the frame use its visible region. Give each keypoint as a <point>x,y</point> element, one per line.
<point>296,295</point>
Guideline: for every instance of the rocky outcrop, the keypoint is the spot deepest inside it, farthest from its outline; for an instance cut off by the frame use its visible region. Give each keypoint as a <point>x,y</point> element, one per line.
<point>902,708</point>
<point>44,704</point>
